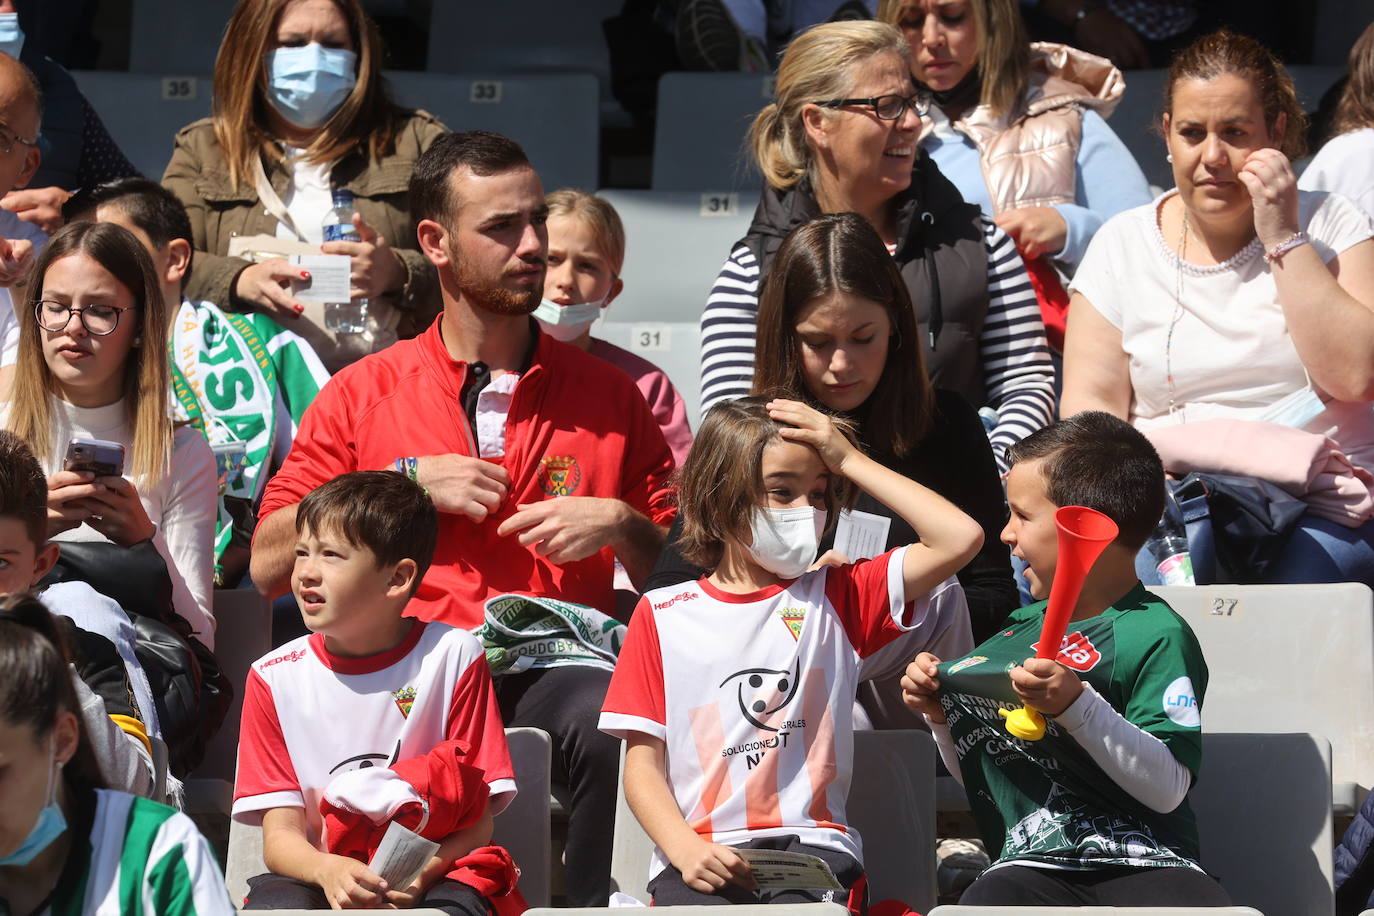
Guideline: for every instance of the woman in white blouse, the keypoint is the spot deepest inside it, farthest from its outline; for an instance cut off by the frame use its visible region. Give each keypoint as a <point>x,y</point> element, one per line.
<point>1235,296</point>
<point>1345,163</point>
<point>93,365</point>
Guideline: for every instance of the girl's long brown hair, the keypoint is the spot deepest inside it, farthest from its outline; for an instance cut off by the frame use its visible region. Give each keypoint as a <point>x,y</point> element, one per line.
<point>721,481</point>
<point>841,253</point>
<point>1355,110</point>
<point>146,394</point>
<point>367,120</point>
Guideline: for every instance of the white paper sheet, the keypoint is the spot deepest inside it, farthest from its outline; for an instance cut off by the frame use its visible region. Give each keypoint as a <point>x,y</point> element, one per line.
<point>328,277</point>
<point>861,535</point>
<point>400,856</point>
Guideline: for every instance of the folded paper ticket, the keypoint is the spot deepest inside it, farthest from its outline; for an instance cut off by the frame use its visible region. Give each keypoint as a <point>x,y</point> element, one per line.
<point>401,855</point>
<point>774,869</point>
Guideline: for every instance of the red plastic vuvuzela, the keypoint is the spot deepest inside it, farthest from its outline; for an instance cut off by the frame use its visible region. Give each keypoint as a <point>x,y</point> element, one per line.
<point>1083,534</point>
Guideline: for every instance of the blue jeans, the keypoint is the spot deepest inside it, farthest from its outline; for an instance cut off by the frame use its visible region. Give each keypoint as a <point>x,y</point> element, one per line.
<point>1317,551</point>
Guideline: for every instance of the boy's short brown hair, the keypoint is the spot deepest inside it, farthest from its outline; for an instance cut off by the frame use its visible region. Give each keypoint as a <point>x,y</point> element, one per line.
<point>386,512</point>
<point>1100,461</point>
<point>23,487</point>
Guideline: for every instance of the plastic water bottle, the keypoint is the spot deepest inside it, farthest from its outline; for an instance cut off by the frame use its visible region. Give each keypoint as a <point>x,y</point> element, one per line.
<point>343,317</point>
<point>1169,550</point>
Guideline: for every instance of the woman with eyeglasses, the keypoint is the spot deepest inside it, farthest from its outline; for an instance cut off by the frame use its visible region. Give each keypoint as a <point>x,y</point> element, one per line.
<point>842,136</point>
<point>93,365</point>
<point>1019,127</point>
<point>301,114</point>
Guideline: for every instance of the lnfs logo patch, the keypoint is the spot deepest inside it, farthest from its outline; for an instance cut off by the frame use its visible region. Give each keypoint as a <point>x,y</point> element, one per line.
<point>559,475</point>
<point>405,698</point>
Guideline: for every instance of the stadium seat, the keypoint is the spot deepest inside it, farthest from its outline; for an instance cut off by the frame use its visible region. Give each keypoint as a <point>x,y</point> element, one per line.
<point>891,805</point>
<point>144,111</point>
<point>951,910</point>
<point>675,244</point>
<point>553,116</point>
<point>1264,818</point>
<point>243,631</point>
<point>673,346</point>
<point>523,828</point>
<point>1323,635</point>
<point>748,909</point>
<point>173,36</point>
<point>545,36</point>
<point>699,137</point>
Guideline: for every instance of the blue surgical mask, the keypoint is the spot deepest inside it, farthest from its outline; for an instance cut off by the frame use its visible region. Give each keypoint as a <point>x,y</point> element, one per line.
<point>51,824</point>
<point>11,36</point>
<point>567,322</point>
<point>307,85</point>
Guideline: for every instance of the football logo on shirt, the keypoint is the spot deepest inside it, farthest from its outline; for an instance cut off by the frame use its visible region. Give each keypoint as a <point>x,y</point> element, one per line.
<point>559,475</point>
<point>757,691</point>
<point>793,617</point>
<point>1076,651</point>
<point>405,698</point>
<point>1180,703</point>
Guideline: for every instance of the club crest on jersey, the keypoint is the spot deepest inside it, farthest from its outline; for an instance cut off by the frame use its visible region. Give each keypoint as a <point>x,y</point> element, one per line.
<point>405,698</point>
<point>761,692</point>
<point>1076,651</point>
<point>794,617</point>
<point>559,475</point>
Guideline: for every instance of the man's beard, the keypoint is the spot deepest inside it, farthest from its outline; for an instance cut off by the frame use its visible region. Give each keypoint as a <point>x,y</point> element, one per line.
<point>493,298</point>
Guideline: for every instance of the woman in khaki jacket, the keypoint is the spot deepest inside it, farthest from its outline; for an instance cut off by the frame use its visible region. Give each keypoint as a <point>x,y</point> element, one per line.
<point>301,111</point>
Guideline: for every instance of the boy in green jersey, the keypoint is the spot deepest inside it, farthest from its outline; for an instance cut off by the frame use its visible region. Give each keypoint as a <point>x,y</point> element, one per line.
<point>1096,812</point>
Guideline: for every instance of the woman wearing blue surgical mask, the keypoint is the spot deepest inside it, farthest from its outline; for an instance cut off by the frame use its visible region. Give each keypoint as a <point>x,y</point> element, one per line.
<point>315,120</point>
<point>68,845</point>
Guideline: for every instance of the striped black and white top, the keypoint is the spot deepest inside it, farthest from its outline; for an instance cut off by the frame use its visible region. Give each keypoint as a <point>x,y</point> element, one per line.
<point>1017,372</point>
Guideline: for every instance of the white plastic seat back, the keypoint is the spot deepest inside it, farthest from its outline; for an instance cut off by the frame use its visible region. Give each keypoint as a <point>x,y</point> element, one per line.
<point>553,116</point>
<point>1324,635</point>
<point>144,111</point>
<point>699,136</point>
<point>891,804</point>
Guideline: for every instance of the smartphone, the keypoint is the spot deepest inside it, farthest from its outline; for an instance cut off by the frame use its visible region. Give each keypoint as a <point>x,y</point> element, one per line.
<point>101,458</point>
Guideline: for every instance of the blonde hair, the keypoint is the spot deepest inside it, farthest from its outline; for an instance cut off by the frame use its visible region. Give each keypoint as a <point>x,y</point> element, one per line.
<point>1003,48</point>
<point>145,389</point>
<point>598,213</point>
<point>367,120</point>
<point>817,66</point>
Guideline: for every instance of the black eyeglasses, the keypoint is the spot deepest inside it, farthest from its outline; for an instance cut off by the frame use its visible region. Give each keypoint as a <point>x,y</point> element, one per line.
<point>8,138</point>
<point>887,107</point>
<point>96,319</point>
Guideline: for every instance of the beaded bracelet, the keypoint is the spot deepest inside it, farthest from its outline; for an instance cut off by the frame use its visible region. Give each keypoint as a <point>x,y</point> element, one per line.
<point>1287,245</point>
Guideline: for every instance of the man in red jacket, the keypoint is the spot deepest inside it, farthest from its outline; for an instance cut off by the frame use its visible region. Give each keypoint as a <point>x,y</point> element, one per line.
<point>545,463</point>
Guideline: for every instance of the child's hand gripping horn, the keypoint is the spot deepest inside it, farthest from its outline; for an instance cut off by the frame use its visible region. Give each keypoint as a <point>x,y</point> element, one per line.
<point>1083,534</point>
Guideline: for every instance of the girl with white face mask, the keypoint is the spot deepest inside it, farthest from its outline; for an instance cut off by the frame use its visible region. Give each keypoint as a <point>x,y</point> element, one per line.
<point>586,254</point>
<point>67,844</point>
<point>760,658</point>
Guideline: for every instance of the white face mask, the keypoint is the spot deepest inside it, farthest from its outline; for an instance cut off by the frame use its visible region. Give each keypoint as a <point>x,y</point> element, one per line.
<point>1296,409</point>
<point>786,540</point>
<point>567,322</point>
<point>11,35</point>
